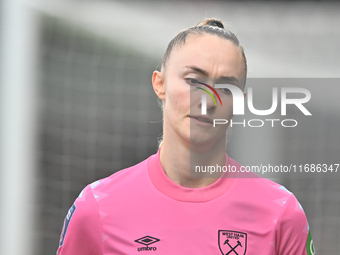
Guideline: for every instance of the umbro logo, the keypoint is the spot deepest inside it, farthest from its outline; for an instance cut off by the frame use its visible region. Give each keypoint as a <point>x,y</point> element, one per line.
<point>147,240</point>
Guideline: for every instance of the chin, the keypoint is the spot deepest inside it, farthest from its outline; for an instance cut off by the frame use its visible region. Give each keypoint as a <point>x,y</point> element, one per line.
<point>201,140</point>
<point>206,139</point>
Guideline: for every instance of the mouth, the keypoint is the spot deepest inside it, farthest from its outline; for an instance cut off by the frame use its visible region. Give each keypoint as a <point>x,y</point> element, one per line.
<point>202,119</point>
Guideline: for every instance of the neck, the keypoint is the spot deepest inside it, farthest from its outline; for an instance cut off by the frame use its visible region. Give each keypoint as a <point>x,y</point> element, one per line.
<point>179,160</point>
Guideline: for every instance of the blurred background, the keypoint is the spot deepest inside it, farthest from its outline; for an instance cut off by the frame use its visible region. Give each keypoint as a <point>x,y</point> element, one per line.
<point>76,101</point>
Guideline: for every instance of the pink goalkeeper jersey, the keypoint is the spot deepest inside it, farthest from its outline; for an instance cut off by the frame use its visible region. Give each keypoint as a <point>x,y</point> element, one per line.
<point>139,210</point>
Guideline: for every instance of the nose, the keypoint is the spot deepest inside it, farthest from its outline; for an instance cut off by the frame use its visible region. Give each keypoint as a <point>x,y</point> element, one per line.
<point>208,102</point>
<point>211,101</point>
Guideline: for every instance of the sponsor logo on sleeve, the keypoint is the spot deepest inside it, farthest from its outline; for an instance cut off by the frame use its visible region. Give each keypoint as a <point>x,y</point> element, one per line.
<point>66,223</point>
<point>310,245</point>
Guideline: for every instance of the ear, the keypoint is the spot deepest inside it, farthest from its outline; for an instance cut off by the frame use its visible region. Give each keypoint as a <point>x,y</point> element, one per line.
<point>158,84</point>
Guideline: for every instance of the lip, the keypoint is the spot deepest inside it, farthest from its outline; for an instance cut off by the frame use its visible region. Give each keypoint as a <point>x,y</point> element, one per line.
<point>202,119</point>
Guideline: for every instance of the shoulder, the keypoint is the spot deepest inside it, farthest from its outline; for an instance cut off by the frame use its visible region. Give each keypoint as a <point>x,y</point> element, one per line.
<point>116,186</point>
<point>123,179</point>
<point>255,185</point>
<point>269,194</point>
<point>86,206</point>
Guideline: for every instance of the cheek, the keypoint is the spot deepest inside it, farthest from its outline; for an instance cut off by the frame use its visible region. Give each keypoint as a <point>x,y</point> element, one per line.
<point>177,100</point>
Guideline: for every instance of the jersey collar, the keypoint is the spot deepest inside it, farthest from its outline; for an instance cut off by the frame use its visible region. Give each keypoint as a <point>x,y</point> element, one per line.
<point>166,186</point>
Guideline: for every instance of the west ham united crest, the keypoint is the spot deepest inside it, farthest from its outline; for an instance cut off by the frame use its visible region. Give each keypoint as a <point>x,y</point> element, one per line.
<point>232,242</point>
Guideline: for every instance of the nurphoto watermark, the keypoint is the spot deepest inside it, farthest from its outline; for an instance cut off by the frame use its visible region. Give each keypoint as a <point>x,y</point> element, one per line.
<point>239,105</point>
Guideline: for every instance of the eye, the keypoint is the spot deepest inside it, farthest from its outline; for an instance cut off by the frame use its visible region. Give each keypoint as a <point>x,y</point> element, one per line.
<point>226,91</point>
<point>192,81</point>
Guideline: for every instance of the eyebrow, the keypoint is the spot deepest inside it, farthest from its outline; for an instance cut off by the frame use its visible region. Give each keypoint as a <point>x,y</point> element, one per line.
<point>196,69</point>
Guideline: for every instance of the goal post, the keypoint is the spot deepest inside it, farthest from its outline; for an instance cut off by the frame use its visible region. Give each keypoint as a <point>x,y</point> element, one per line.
<point>18,114</point>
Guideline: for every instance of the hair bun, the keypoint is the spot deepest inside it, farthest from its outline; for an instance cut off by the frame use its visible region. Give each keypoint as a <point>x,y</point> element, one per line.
<point>211,22</point>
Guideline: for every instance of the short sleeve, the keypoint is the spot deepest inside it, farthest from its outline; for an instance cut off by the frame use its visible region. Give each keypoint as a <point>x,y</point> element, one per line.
<point>292,233</point>
<point>81,234</point>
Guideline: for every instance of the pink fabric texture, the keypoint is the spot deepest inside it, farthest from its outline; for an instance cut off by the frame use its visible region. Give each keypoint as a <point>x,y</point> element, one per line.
<point>140,210</point>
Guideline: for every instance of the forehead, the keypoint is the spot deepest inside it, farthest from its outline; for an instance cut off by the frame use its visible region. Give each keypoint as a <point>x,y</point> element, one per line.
<point>218,56</point>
